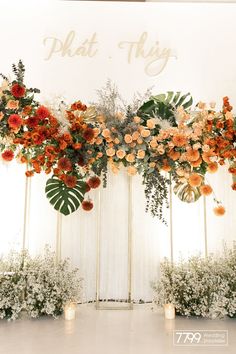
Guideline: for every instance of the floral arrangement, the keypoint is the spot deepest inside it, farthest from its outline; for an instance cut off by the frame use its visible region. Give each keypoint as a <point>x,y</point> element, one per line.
<point>37,285</point>
<point>158,137</point>
<point>199,287</point>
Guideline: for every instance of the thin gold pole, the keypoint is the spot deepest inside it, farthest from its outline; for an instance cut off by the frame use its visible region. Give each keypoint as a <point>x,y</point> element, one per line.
<point>171,221</point>
<point>26,210</point>
<point>58,237</point>
<point>130,236</point>
<point>98,250</point>
<point>205,227</point>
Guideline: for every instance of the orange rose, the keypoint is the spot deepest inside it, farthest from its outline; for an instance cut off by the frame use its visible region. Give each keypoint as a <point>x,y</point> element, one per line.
<point>98,141</point>
<point>137,119</point>
<point>153,143</point>
<point>205,189</point>
<point>110,152</point>
<point>141,154</point>
<point>195,180</point>
<point>174,155</point>
<point>212,167</point>
<point>12,104</point>
<point>219,210</point>
<point>120,154</point>
<point>179,140</point>
<point>140,141</point>
<point>196,163</point>
<point>150,123</point>
<point>106,133</point>
<point>128,138</point>
<point>116,141</point>
<point>152,164</point>
<point>130,158</point>
<point>131,171</point>
<point>135,135</point>
<point>145,133</point>
<point>99,154</point>
<point>192,155</point>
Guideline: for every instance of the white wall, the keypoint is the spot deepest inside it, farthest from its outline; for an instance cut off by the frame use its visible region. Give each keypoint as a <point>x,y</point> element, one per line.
<point>203,63</point>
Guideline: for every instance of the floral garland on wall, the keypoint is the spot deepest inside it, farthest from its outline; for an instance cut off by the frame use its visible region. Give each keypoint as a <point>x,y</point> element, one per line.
<point>76,144</point>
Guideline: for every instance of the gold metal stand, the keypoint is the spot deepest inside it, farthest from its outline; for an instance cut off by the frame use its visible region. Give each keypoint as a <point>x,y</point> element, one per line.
<point>106,305</point>
<point>26,211</point>
<point>205,227</point>
<point>58,237</point>
<point>171,221</point>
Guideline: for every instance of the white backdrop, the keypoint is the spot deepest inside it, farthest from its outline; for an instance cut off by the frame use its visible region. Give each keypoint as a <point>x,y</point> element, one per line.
<point>201,43</point>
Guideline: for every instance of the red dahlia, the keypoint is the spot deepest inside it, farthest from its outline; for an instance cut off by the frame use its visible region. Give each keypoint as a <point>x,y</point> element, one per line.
<point>32,122</point>
<point>87,205</point>
<point>15,121</point>
<point>42,112</point>
<point>8,155</point>
<point>70,181</point>
<point>18,90</point>
<point>64,164</point>
<point>88,134</point>
<point>94,182</point>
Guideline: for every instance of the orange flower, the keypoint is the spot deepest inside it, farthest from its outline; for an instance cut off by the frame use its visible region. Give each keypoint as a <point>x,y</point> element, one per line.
<point>77,146</point>
<point>64,164</point>
<point>99,154</point>
<point>15,121</point>
<point>137,119</point>
<point>166,167</point>
<point>219,210</point>
<point>12,104</point>
<point>106,133</point>
<point>120,154</point>
<point>150,123</point>
<point>145,133</point>
<point>205,189</point>
<point>130,158</point>
<point>152,164</point>
<point>207,155</point>
<point>195,180</point>
<point>232,170</point>
<point>116,141</point>
<point>128,138</point>
<point>196,163</point>
<point>8,155</point>
<point>174,155</point>
<point>131,171</point>
<point>141,154</point>
<point>135,135</point>
<point>234,186</point>
<point>192,155</point>
<point>29,173</point>
<point>98,141</point>
<point>212,167</point>
<point>140,141</point>
<point>110,152</point>
<point>1,116</point>
<point>179,140</point>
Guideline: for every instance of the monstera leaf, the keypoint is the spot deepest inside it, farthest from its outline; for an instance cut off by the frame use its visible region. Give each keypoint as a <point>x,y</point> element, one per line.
<point>64,199</point>
<point>164,105</point>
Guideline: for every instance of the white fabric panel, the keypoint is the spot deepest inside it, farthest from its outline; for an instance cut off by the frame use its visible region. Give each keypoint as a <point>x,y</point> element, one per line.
<point>12,196</point>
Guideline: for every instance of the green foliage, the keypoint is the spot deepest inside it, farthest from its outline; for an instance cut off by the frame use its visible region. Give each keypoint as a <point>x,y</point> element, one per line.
<point>64,199</point>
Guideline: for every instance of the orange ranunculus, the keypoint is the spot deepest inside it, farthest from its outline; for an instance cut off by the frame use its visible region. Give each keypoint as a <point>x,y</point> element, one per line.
<point>137,119</point>
<point>110,152</point>
<point>26,110</point>
<point>192,155</point>
<point>12,104</point>
<point>207,155</point>
<point>150,123</point>
<point>98,141</point>
<point>135,135</point>
<point>29,173</point>
<point>15,121</point>
<point>145,133</point>
<point>128,138</point>
<point>196,163</point>
<point>77,146</point>
<point>106,133</point>
<point>166,167</point>
<point>64,164</point>
<point>140,154</point>
<point>130,158</point>
<point>195,180</point>
<point>120,153</point>
<point>132,171</point>
<point>63,144</point>
<point>96,131</point>
<point>8,155</point>
<point>219,210</point>
<point>205,189</point>
<point>153,143</point>
<point>116,141</point>
<point>212,167</point>
<point>179,140</point>
<point>174,155</point>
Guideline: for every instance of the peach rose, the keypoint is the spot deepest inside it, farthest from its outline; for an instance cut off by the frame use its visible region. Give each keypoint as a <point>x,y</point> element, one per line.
<point>1,116</point>
<point>140,141</point>
<point>153,143</point>
<point>135,135</point>
<point>106,133</point>
<point>120,154</point>
<point>128,138</point>
<point>145,133</point>
<point>130,158</point>
<point>99,154</point>
<point>116,141</point>
<point>150,123</point>
<point>161,149</point>
<point>96,131</point>
<point>12,104</point>
<point>98,141</point>
<point>137,119</point>
<point>152,164</point>
<point>141,154</point>
<point>131,171</point>
<point>110,152</point>
<point>174,155</point>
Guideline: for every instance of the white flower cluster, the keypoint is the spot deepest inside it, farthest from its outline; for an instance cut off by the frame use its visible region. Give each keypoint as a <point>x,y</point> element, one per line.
<point>199,287</point>
<point>38,285</point>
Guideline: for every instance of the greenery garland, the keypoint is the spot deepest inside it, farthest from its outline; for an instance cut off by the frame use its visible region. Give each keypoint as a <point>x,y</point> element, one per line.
<point>156,137</point>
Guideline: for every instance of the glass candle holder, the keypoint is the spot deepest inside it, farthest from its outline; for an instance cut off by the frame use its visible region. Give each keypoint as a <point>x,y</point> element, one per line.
<point>169,311</point>
<point>70,311</point>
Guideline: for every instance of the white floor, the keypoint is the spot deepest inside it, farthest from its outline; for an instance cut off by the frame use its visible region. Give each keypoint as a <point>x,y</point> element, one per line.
<point>140,331</point>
